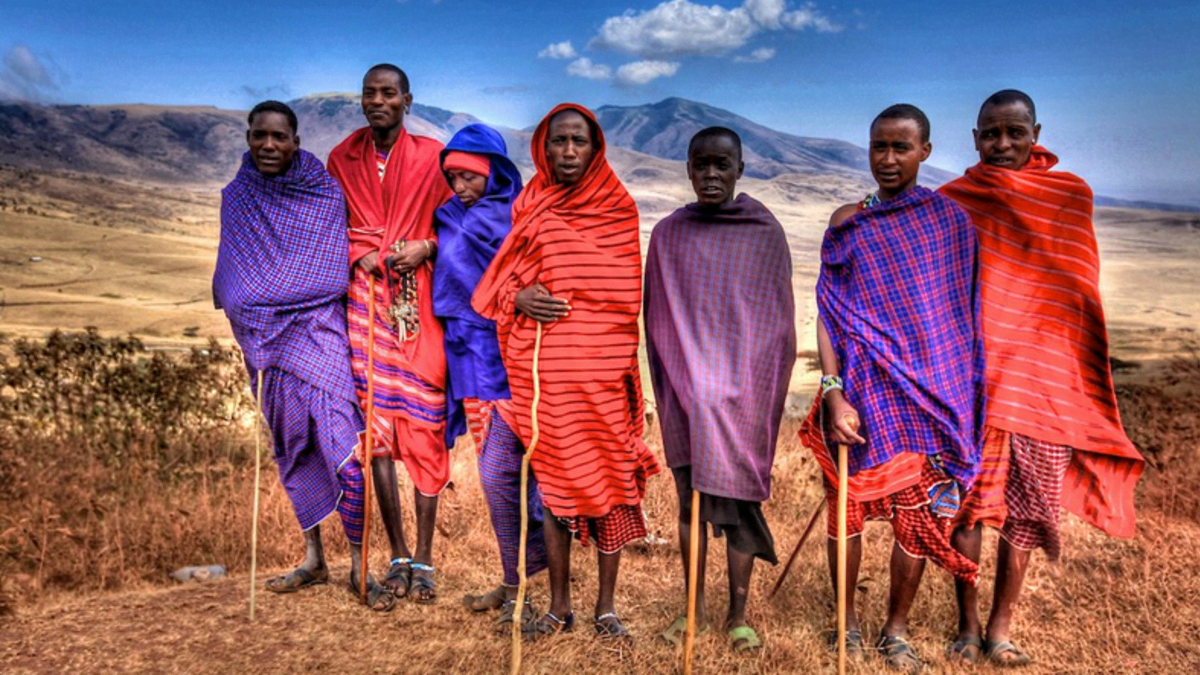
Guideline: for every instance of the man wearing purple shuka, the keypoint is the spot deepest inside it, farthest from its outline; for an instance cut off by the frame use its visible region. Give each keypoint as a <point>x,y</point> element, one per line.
<point>721,337</point>
<point>281,279</point>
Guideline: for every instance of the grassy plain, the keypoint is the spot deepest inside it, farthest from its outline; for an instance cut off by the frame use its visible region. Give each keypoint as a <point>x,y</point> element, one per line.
<point>91,521</point>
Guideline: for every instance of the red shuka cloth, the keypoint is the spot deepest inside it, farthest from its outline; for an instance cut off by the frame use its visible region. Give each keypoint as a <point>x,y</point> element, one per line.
<point>401,206</point>
<point>1048,373</point>
<point>581,242</point>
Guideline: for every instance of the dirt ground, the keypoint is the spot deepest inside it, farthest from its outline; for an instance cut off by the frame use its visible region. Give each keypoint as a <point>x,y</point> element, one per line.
<point>1108,606</point>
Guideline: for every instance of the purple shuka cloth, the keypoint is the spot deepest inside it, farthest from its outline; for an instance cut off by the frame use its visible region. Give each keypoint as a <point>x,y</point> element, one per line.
<point>282,275</point>
<point>721,337</point>
<point>281,278</point>
<point>898,296</point>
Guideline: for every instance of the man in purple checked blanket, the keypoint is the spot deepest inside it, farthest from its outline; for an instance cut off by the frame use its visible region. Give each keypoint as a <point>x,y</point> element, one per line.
<point>721,338</point>
<point>281,279</point>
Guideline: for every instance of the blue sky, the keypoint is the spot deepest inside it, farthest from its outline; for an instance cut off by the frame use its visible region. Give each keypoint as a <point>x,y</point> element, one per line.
<point>1117,85</point>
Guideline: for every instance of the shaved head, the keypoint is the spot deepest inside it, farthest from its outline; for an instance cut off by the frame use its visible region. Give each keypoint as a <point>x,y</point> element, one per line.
<point>1009,96</point>
<point>716,132</point>
<point>389,68</point>
<point>905,111</point>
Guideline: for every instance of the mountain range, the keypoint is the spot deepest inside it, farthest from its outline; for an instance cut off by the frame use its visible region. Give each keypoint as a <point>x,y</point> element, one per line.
<point>203,145</point>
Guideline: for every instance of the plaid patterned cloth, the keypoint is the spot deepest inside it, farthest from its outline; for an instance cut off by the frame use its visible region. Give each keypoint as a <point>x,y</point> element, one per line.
<point>721,341</point>
<point>623,524</point>
<point>898,296</point>
<point>500,474</point>
<point>281,279</point>
<point>920,531</point>
<point>314,437</point>
<point>281,272</point>
<point>1020,490</point>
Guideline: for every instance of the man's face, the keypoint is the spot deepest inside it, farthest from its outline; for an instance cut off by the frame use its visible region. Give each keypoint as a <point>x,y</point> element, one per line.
<point>383,103</point>
<point>896,155</point>
<point>468,185</point>
<point>569,147</point>
<point>714,167</point>
<point>1006,135</point>
<point>272,143</point>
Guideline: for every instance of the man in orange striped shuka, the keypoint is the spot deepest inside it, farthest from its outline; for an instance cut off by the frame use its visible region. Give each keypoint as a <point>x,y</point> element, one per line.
<point>1054,437</point>
<point>573,264</point>
<point>393,184</point>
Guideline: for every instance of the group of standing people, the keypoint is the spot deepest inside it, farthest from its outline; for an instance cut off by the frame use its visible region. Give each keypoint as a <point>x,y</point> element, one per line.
<point>427,292</point>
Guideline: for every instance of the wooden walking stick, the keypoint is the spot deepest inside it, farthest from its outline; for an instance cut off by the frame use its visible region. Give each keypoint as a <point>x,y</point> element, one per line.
<point>257,474</point>
<point>812,522</point>
<point>368,445</point>
<point>843,486</point>
<point>522,577</point>
<point>693,574</point>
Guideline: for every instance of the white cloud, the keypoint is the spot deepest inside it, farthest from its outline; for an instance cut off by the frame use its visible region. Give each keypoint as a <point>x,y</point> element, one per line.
<point>808,17</point>
<point>676,28</point>
<point>683,28</point>
<point>765,13</point>
<point>558,50</point>
<point>583,67</point>
<point>25,76</point>
<point>641,72</point>
<point>757,56</point>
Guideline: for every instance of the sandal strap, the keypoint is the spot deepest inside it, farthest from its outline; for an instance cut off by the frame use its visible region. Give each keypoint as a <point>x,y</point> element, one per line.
<point>610,615</point>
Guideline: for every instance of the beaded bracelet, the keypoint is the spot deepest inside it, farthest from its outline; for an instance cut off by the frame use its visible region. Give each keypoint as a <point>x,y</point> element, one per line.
<point>829,383</point>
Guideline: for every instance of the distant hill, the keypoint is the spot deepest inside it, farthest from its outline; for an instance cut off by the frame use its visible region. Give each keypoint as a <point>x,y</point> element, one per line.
<point>200,144</point>
<point>141,142</point>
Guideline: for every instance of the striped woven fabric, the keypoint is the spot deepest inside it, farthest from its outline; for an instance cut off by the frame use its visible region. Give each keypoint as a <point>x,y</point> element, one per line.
<point>581,242</point>
<point>1047,347</point>
<point>898,297</point>
<point>384,211</point>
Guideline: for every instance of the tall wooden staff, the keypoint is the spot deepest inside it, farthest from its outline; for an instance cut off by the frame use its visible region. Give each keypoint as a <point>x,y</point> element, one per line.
<point>519,609</point>
<point>812,522</point>
<point>843,486</point>
<point>257,474</point>
<point>693,563</point>
<point>370,448</point>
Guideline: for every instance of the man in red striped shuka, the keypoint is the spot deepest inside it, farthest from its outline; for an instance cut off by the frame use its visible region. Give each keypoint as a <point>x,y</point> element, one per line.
<point>393,184</point>
<point>573,264</point>
<point>1053,438</point>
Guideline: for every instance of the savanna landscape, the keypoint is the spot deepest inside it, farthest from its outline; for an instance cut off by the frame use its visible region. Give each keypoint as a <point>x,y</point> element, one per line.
<point>128,438</point>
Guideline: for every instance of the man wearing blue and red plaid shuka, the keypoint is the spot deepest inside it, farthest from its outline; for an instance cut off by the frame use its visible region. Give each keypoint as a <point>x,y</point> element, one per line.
<point>902,358</point>
<point>281,279</point>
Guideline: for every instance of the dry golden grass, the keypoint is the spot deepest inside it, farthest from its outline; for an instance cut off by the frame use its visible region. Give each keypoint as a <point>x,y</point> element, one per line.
<point>86,551</point>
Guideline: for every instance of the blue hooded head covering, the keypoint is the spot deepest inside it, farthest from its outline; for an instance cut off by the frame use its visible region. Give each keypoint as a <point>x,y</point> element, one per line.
<point>468,239</point>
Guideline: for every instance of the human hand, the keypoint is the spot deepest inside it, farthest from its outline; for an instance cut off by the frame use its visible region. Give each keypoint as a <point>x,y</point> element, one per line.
<point>536,302</point>
<point>370,263</point>
<point>410,256</point>
<point>845,419</point>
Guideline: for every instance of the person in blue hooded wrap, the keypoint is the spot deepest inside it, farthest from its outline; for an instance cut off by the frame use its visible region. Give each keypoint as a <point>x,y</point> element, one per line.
<point>470,228</point>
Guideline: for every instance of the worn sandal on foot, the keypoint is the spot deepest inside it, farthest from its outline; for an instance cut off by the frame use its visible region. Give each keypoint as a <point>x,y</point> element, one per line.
<point>855,647</point>
<point>744,639</point>
<point>399,577</point>
<point>422,589</point>
<point>379,598</point>
<point>295,580</point>
<point>675,634</point>
<point>898,654</point>
<point>1006,655</point>
<point>493,599</point>
<point>967,650</point>
<point>548,625</point>
<point>609,627</point>
<point>509,610</point>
